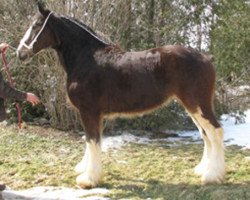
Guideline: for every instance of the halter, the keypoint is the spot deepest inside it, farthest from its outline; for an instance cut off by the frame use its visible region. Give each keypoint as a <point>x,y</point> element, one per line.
<point>30,46</point>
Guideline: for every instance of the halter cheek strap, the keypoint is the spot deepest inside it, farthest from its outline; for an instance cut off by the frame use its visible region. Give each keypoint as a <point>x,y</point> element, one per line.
<point>30,46</point>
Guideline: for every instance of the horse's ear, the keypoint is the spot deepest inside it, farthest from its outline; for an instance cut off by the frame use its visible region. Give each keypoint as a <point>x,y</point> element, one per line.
<point>41,8</point>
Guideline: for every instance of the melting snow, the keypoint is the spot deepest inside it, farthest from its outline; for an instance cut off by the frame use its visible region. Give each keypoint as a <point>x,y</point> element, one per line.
<point>235,134</point>
<point>114,142</point>
<point>56,193</point>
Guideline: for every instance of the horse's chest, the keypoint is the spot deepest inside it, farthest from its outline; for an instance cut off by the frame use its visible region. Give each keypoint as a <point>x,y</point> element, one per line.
<point>81,93</point>
<point>75,92</point>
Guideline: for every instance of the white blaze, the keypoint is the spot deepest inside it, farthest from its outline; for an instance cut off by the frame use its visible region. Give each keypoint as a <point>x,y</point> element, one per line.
<point>28,34</point>
<point>24,39</point>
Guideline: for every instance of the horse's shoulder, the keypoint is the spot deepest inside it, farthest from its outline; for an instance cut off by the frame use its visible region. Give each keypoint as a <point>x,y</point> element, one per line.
<point>108,56</point>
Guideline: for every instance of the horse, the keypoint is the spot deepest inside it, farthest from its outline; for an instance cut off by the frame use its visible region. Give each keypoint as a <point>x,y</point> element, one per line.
<point>105,81</point>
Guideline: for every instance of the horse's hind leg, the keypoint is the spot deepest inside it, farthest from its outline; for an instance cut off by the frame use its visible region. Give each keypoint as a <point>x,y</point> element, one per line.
<point>202,166</point>
<point>90,168</point>
<point>212,167</point>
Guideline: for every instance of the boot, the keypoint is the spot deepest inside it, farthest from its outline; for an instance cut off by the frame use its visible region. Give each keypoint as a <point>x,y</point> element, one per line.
<point>2,186</point>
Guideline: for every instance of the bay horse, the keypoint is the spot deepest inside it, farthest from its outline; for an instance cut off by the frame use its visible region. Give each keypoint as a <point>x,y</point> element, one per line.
<point>104,81</point>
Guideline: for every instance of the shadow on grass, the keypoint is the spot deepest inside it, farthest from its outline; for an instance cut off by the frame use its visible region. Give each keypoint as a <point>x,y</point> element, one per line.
<point>126,183</point>
<point>154,189</point>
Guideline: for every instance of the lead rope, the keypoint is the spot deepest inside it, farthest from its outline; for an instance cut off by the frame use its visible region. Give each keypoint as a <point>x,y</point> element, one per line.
<point>18,108</point>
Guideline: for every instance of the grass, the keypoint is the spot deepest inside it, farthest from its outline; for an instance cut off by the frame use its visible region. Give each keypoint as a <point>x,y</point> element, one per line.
<point>45,157</point>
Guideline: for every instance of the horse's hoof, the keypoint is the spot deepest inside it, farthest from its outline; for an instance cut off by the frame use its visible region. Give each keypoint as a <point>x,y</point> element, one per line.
<point>210,177</point>
<point>85,181</point>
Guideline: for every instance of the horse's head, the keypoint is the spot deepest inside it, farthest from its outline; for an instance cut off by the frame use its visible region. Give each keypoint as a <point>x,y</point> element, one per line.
<point>38,36</point>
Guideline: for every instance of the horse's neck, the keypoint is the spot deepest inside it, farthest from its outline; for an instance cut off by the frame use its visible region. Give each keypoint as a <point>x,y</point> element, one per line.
<point>75,51</point>
<point>62,61</point>
<point>72,59</point>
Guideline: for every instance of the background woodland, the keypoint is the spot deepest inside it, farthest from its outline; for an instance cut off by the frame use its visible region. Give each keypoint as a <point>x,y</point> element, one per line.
<point>220,28</point>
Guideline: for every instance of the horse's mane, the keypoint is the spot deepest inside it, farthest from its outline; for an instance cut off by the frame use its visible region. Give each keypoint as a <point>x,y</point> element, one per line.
<point>99,37</point>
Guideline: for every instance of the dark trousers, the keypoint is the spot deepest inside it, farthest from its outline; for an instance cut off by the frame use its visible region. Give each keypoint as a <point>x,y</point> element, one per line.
<point>3,114</point>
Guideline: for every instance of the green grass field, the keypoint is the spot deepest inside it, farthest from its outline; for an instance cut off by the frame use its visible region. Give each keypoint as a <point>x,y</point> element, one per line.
<point>39,156</point>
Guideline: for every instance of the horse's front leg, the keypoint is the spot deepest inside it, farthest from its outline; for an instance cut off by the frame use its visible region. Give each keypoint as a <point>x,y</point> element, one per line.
<point>90,168</point>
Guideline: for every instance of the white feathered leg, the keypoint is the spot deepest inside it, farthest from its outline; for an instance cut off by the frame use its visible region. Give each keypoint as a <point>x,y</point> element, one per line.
<point>82,165</point>
<point>201,168</point>
<point>92,171</point>
<point>215,172</point>
<point>212,166</point>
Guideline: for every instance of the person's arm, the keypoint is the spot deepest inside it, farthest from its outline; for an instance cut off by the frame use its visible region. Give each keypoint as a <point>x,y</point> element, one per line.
<point>6,91</point>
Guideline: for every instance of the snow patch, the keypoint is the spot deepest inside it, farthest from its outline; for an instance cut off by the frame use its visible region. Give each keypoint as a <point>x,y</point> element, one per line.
<point>55,193</point>
<point>116,142</point>
<point>237,134</point>
<point>234,134</point>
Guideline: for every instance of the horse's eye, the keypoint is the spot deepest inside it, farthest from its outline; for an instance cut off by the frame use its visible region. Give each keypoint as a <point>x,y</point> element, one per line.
<point>38,23</point>
<point>37,26</point>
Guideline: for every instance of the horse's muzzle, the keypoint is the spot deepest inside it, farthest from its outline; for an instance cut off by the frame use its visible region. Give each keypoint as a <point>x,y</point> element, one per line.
<point>22,55</point>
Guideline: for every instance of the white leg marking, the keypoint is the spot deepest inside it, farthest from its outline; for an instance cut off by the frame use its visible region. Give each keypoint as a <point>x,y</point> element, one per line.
<point>212,167</point>
<point>82,165</point>
<point>93,169</point>
<point>215,172</point>
<point>201,168</point>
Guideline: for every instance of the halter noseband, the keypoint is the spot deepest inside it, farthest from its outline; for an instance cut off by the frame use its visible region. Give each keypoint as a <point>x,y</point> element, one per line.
<point>30,46</point>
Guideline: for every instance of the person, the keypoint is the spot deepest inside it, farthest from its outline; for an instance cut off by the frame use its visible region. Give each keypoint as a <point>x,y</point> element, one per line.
<point>7,91</point>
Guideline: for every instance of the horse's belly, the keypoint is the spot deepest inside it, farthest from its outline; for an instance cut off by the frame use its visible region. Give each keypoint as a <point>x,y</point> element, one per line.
<point>128,104</point>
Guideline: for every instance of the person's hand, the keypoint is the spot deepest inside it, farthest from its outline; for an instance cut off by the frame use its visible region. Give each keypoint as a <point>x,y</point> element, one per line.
<point>3,47</point>
<point>33,99</point>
